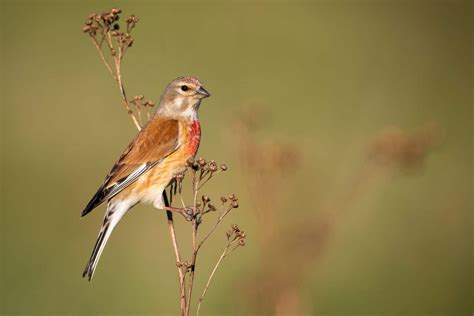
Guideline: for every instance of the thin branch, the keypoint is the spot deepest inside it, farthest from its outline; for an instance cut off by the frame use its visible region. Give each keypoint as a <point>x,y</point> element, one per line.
<point>210,279</point>
<point>109,43</point>
<point>122,90</point>
<point>219,220</point>
<point>174,241</point>
<point>194,238</point>
<point>224,254</point>
<point>106,36</point>
<point>101,53</point>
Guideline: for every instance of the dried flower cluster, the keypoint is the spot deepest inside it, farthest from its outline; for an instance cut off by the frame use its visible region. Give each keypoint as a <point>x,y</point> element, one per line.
<point>99,26</point>
<point>105,31</point>
<point>235,235</point>
<point>142,105</point>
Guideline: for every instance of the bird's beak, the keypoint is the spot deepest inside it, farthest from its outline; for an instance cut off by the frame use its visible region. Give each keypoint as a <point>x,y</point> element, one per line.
<point>203,92</point>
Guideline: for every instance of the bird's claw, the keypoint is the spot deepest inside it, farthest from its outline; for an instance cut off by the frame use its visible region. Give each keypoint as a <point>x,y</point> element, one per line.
<point>186,212</point>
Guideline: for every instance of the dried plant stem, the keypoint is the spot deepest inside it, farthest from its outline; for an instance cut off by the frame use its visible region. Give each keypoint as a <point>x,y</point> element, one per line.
<point>192,268</point>
<point>174,241</point>
<point>219,219</point>
<point>209,280</point>
<point>122,93</point>
<point>223,255</point>
<point>195,226</point>
<point>117,75</point>
<point>101,53</point>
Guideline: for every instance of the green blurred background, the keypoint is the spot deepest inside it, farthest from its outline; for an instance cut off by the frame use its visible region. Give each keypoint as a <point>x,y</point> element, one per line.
<point>326,83</point>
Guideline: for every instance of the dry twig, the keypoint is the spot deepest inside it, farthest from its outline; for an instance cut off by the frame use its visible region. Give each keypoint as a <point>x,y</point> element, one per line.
<point>105,28</point>
<point>235,238</point>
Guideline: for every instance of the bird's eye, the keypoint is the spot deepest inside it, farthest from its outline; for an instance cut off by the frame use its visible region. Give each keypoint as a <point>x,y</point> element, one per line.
<point>184,88</point>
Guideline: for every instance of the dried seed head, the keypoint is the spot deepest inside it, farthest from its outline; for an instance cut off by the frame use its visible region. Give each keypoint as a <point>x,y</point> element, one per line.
<point>223,167</point>
<point>223,199</point>
<point>107,17</point>
<point>241,242</point>
<point>202,162</point>
<point>86,29</point>
<point>151,104</point>
<point>205,199</point>
<point>212,208</point>
<point>234,204</point>
<point>233,197</point>
<point>212,166</point>
<point>132,19</point>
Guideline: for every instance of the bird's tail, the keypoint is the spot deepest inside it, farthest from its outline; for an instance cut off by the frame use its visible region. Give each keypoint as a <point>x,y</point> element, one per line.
<point>112,217</point>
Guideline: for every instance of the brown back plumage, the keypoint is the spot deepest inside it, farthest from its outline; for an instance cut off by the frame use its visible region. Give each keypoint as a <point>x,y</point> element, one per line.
<point>157,140</point>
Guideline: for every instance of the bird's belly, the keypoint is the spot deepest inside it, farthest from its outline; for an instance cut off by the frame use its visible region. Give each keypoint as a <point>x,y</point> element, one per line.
<point>149,188</point>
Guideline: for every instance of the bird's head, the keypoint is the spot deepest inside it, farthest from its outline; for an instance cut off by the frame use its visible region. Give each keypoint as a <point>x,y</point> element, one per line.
<point>182,98</point>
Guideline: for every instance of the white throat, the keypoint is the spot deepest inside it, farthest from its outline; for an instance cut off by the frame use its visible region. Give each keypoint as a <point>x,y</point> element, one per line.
<point>190,113</point>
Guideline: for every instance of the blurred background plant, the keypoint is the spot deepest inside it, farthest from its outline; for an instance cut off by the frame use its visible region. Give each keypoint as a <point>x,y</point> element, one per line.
<point>272,174</point>
<point>364,107</point>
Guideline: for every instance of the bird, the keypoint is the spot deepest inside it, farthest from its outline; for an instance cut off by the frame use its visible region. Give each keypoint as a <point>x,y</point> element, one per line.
<point>149,164</point>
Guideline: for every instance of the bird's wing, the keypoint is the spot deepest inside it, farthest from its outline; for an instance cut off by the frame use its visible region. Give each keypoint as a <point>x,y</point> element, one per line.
<point>157,140</point>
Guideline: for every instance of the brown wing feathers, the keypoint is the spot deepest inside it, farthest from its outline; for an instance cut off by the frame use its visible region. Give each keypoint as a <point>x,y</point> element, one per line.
<point>158,139</point>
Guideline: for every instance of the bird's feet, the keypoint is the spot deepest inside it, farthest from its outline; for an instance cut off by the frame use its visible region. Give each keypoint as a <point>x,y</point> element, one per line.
<point>186,212</point>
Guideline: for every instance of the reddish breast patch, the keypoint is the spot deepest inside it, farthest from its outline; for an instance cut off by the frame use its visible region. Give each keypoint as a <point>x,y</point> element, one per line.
<point>194,137</point>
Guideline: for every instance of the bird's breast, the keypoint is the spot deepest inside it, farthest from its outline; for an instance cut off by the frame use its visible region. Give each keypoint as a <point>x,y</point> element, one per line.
<point>193,137</point>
